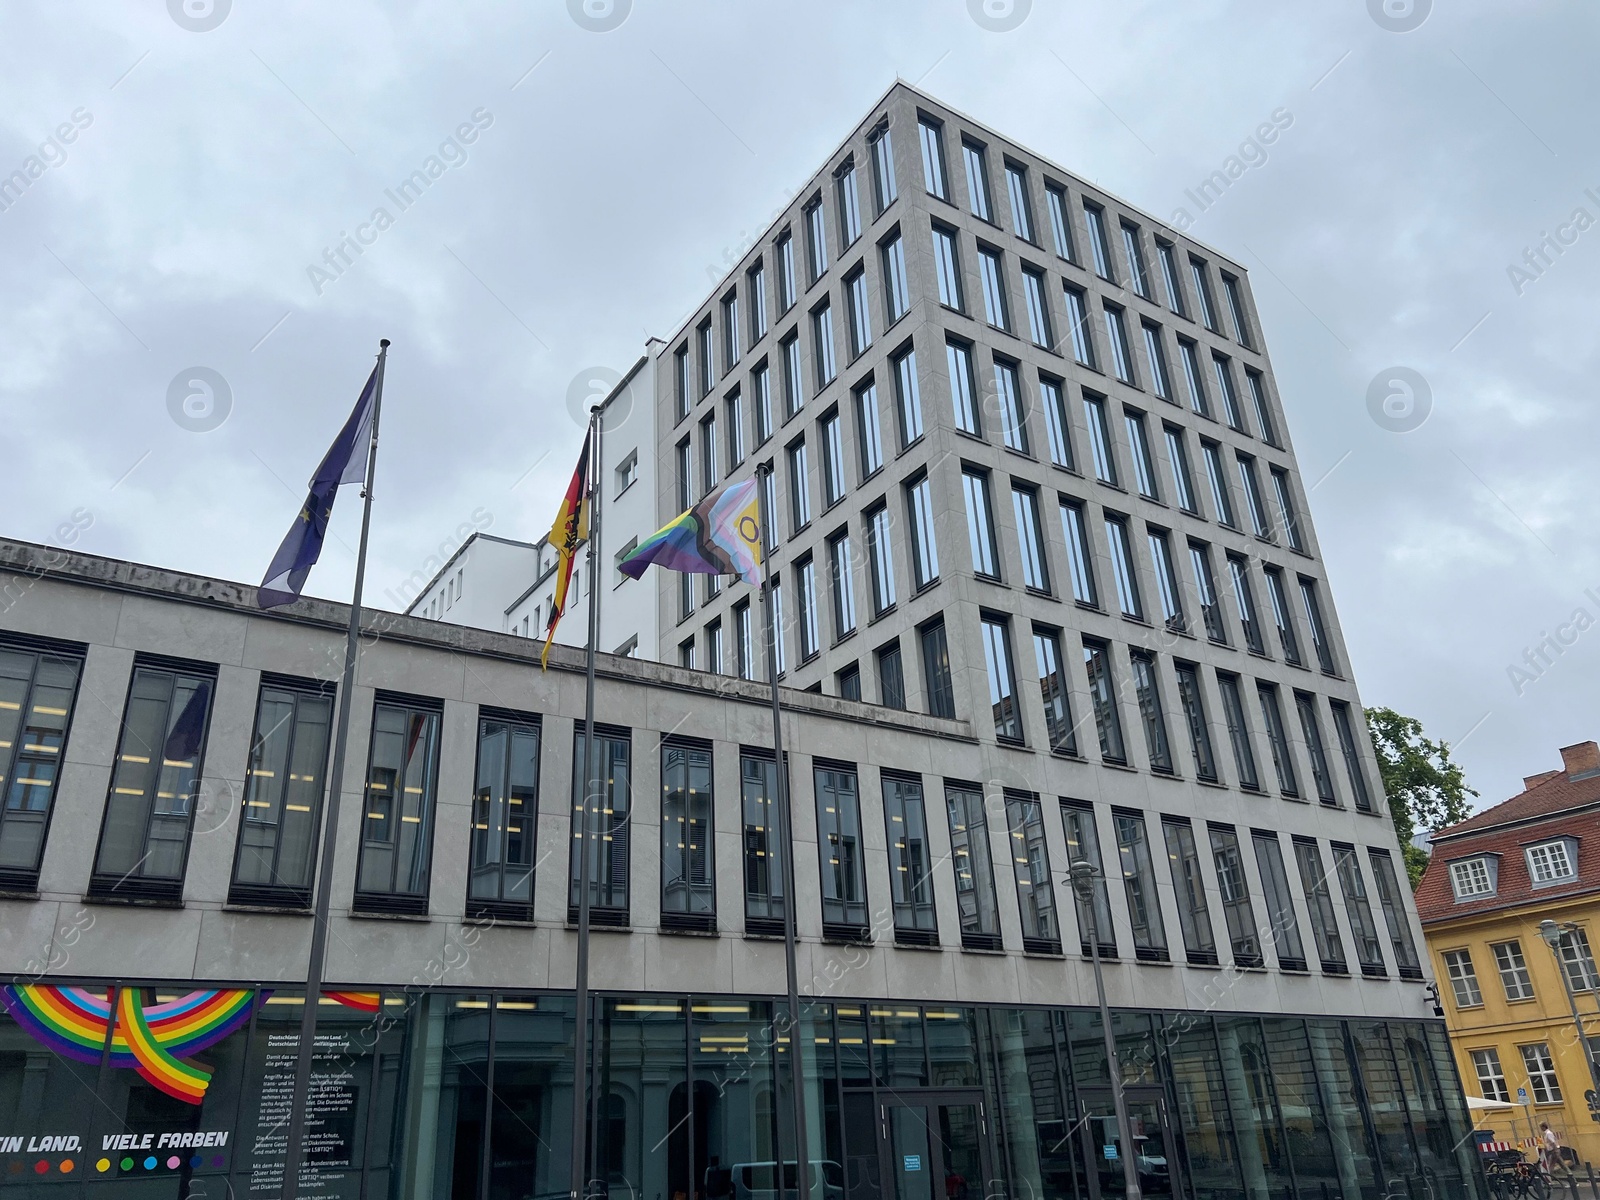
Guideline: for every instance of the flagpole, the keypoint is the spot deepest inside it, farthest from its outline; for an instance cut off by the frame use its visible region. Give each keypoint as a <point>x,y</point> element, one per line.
<point>319,927</point>
<point>582,1102</point>
<point>786,859</point>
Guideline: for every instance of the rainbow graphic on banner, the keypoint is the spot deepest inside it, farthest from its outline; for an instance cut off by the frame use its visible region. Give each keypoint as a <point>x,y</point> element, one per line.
<point>153,1062</point>
<point>367,1002</point>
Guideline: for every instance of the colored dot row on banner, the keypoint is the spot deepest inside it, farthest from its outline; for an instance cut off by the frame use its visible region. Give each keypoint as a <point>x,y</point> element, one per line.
<point>67,1166</point>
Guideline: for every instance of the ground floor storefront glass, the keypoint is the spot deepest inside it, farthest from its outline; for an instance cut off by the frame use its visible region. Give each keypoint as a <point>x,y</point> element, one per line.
<point>166,1092</point>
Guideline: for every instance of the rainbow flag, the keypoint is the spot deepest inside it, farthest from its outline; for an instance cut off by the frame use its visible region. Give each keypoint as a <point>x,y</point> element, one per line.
<point>570,530</point>
<point>719,536</point>
<point>159,1068</point>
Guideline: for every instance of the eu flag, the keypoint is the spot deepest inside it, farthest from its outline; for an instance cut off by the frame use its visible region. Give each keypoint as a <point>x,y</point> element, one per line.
<point>345,462</point>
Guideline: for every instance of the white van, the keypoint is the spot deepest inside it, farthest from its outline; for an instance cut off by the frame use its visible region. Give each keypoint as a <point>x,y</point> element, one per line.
<point>759,1180</point>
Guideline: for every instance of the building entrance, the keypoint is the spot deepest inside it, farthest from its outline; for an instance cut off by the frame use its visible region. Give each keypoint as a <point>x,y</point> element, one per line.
<point>918,1144</point>
<point>1150,1143</point>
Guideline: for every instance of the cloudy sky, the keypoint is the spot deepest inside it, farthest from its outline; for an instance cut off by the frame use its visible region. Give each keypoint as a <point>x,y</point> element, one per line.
<point>213,152</point>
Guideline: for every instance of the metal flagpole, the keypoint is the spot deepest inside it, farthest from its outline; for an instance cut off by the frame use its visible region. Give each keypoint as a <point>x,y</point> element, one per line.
<point>582,1102</point>
<point>319,927</point>
<point>786,858</point>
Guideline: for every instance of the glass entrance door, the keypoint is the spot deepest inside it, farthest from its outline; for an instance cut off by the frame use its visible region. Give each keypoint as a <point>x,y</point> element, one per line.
<point>1150,1145</point>
<point>935,1146</point>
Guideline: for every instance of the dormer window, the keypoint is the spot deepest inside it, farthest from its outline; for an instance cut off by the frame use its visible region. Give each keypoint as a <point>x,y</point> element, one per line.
<point>1552,862</point>
<point>1473,877</point>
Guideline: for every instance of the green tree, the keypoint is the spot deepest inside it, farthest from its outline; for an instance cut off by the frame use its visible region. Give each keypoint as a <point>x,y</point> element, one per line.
<point>1425,788</point>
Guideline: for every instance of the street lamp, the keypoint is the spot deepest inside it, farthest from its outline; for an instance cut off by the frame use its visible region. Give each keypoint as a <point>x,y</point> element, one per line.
<point>1084,874</point>
<point>1555,936</point>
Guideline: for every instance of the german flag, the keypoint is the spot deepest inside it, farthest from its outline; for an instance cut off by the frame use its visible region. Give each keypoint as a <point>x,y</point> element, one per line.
<point>571,530</point>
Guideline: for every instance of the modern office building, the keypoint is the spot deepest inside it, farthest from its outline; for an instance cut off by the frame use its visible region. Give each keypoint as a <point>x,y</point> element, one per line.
<point>1511,987</point>
<point>1133,662</point>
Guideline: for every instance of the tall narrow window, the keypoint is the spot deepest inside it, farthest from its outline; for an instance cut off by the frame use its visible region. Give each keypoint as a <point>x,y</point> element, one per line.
<point>609,799</point>
<point>1218,479</point>
<point>1060,222</point>
<point>1130,247</point>
<point>1369,946</point>
<point>1058,726</point>
<point>1139,881</point>
<point>735,423</point>
<point>910,860</point>
<point>708,453</point>
<point>714,647</point>
<point>931,136</point>
<point>283,795</point>
<point>685,457</point>
<point>963,387</point>
<point>1319,902</point>
<point>849,203</point>
<point>780,656</point>
<point>816,240</point>
<point>1094,414</point>
<point>1280,614</point>
<point>842,569</point>
<point>1117,335</point>
<point>1008,395</point>
<point>794,386</point>
<point>397,817</point>
<point>708,365</point>
<point>37,691</point>
<point>763,874</point>
<point>896,291</point>
<point>799,486</point>
<point>144,838</point>
<point>1205,583</point>
<point>1286,510</point>
<point>822,338</point>
<point>936,680</point>
<point>891,675</point>
<point>924,548</point>
<point>1147,691</point>
<point>1241,323</point>
<point>1508,955</point>
<point>1002,678</point>
<point>1319,632</point>
<point>769,498</point>
<point>1144,468</point>
<point>980,523</point>
<point>1277,738</point>
<point>1305,705</point>
<point>1033,287</point>
<point>810,623</point>
<point>1030,538</point>
<point>1080,564</point>
<point>1280,902</point>
<point>1122,568</point>
<point>1182,480</point>
<point>1190,356</point>
<point>1260,522</point>
<point>788,291</point>
<point>1244,602</point>
<point>688,866</point>
<point>860,314</point>
<point>1194,915</point>
<point>1235,888</point>
<point>1541,1069</point>
<point>1103,700</point>
<point>991,273</point>
<point>1160,381</point>
<point>1078,325</point>
<point>1202,291</point>
<point>1263,407</point>
<point>1095,218</point>
<point>1169,275</point>
<point>1021,210</point>
<point>869,434</point>
<point>1230,398</point>
<point>908,398</point>
<point>975,161</point>
<point>756,288</point>
<point>880,553</point>
<point>505,814</point>
<point>1083,845</point>
<point>844,882</point>
<point>1057,429</point>
<point>1166,580</point>
<point>833,482</point>
<point>1344,729</point>
<point>680,380</point>
<point>1194,717</point>
<point>1244,757</point>
<point>1030,862</point>
<point>947,268</point>
<point>974,867</point>
<point>883,167</point>
<point>761,397</point>
<point>730,331</point>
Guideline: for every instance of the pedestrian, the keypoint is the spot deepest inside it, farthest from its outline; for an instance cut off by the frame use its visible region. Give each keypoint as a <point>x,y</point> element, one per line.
<point>1549,1148</point>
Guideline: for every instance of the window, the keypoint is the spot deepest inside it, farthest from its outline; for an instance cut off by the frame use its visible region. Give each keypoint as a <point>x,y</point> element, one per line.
<point>799,486</point>
<point>991,273</point>
<point>1178,459</point>
<point>822,337</point>
<point>1144,470</point>
<point>1169,274</point>
<point>680,380</point>
<point>755,280</point>
<point>1277,738</point>
<point>1252,495</point>
<point>849,202</point>
<point>780,657</point>
<point>908,398</point>
<point>1344,728</point>
<point>730,330</point>
<point>787,290</point>
<point>1094,414</point>
<point>980,523</point>
<point>794,394</point>
<point>924,549</point>
<point>763,873</point>
<point>1038,310</point>
<point>833,483</point>
<point>860,314</point>
<point>1202,290</point>
<point>397,816</point>
<point>810,635</point>
<point>505,813</point>
<point>1319,903</point>
<point>1541,1070</point>
<point>1079,563</point>
<point>1286,510</point>
<point>869,436</point>
<point>931,135</point>
<point>1053,691</point>
<point>1002,678</point>
<point>1549,862</point>
<point>1280,904</point>
<point>891,676</point>
<point>769,498</point>
<point>1139,881</point>
<point>1311,729</point>
<point>282,811</point>
<point>1399,925</point>
<point>1160,382</point>
<point>1263,406</point>
<point>708,453</point>
<point>744,640</point>
<point>1191,375</point>
<point>844,883</point>
<point>816,240</point>
<point>1060,223</point>
<point>1095,218</point>
<point>1021,210</point>
<point>1166,580</point>
<point>1280,614</point>
<point>688,865</point>
<point>1474,877</point>
<point>974,867</point>
<point>1008,391</point>
<point>1130,247</point>
<point>1491,1079</point>
<point>714,647</point>
<point>1103,700</point>
<point>936,681</point>
<point>848,682</point>
<point>685,455</point>
<point>1121,357</point>
<point>1055,423</point>
<point>1319,633</point>
<point>910,860</point>
<point>1230,398</point>
<point>1194,716</point>
<point>761,394</point>
<point>896,291</point>
<point>1083,845</point>
<point>947,268</point>
<point>708,366</point>
<point>1030,538</point>
<point>1369,948</point>
<point>1147,691</point>
<point>1241,324</point>
<point>977,168</point>
<point>1206,585</point>
<point>686,655</point>
<point>1122,568</point>
<point>1235,888</point>
<point>1577,960</point>
<point>882,167</point>
<point>37,691</point>
<point>1194,918</point>
<point>958,359</point>
<point>880,554</point>
<point>1244,758</point>
<point>144,837</point>
<point>735,423</point>
<point>1220,497</point>
<point>842,568</point>
<point>1030,862</point>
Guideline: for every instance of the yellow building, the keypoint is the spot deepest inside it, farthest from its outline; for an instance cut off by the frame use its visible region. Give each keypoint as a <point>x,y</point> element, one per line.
<point>1510,905</point>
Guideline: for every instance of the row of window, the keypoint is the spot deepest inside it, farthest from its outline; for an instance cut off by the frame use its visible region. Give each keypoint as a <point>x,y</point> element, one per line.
<point>1537,1064</point>
<point>1577,963</point>
<point>1548,863</point>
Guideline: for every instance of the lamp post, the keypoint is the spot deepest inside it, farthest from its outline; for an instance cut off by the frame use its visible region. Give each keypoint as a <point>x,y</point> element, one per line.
<point>1084,874</point>
<point>1554,936</point>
